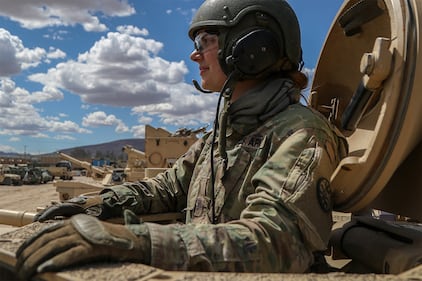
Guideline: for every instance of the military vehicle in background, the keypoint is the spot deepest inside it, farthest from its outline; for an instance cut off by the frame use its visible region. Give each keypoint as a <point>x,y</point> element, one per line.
<point>91,170</point>
<point>96,178</point>
<point>9,178</point>
<point>135,165</point>
<point>162,148</point>
<point>37,175</point>
<point>62,170</point>
<point>24,174</point>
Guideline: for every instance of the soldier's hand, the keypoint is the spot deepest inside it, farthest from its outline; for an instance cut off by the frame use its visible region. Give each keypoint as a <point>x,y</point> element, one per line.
<point>82,239</point>
<point>91,205</point>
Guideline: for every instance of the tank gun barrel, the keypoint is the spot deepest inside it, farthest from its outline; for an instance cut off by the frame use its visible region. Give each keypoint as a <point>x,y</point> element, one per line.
<point>130,150</point>
<point>83,164</point>
<point>16,218</point>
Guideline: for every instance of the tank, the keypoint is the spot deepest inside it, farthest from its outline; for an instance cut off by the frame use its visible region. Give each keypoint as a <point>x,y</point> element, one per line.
<point>162,148</point>
<point>366,83</point>
<point>136,163</point>
<point>93,171</point>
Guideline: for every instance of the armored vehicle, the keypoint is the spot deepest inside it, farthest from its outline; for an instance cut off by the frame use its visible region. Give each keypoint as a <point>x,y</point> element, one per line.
<point>7,177</point>
<point>162,148</point>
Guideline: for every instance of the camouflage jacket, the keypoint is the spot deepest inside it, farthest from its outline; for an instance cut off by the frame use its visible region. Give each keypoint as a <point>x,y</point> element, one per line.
<point>272,198</point>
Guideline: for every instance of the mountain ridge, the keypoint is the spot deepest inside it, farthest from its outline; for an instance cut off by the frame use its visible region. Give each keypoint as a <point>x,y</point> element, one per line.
<point>112,147</point>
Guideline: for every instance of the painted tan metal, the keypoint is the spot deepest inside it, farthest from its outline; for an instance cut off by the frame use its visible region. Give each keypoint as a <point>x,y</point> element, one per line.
<point>162,148</point>
<point>390,128</point>
<point>16,218</point>
<point>60,172</point>
<point>93,171</point>
<point>136,163</point>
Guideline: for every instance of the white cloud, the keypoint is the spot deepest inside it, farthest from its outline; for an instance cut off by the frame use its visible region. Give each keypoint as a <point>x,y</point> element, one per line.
<point>7,148</point>
<point>15,57</point>
<point>47,94</point>
<point>9,47</point>
<point>55,34</point>
<point>19,116</point>
<point>124,70</point>
<point>138,131</point>
<point>68,127</point>
<point>31,57</point>
<point>144,119</point>
<point>56,53</point>
<point>64,137</point>
<point>118,70</point>
<point>100,118</point>
<point>132,30</point>
<point>34,14</point>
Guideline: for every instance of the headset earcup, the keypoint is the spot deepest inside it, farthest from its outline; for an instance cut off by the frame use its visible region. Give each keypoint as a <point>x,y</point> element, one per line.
<point>254,53</point>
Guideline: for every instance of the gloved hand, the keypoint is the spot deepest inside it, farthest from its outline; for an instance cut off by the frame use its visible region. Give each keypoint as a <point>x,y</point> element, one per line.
<point>109,203</point>
<point>91,205</point>
<point>82,239</point>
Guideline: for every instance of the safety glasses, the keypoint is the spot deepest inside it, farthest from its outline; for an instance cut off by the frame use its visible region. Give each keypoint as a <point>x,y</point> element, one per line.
<point>205,41</point>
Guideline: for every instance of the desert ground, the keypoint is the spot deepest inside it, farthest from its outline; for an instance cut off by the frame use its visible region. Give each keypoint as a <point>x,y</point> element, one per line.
<point>25,198</point>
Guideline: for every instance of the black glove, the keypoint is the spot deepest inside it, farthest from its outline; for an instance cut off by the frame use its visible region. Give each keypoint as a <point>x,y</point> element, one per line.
<point>83,239</point>
<point>91,205</point>
<point>109,203</point>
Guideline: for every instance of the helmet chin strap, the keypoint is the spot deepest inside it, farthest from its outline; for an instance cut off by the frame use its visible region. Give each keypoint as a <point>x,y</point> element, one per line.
<point>226,93</point>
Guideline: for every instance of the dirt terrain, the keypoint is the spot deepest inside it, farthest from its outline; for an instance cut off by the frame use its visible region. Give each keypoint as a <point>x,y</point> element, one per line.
<point>24,198</point>
<point>27,197</point>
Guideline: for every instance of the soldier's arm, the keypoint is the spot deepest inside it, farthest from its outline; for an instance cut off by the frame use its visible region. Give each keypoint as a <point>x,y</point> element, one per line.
<point>284,222</point>
<point>164,193</point>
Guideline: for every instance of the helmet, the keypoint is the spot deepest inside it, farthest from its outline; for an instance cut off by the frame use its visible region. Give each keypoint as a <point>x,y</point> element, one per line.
<point>256,37</point>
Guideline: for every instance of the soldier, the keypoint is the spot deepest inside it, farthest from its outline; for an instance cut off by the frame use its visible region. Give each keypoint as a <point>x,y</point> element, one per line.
<point>255,190</point>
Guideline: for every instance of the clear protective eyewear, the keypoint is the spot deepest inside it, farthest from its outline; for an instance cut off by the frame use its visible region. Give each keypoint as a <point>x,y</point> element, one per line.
<point>205,41</point>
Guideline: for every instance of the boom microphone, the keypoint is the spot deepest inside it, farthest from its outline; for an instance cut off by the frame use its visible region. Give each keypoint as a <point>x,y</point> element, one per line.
<point>199,88</point>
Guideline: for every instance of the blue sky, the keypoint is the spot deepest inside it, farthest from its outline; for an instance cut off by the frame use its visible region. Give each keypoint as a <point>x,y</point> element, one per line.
<point>85,72</point>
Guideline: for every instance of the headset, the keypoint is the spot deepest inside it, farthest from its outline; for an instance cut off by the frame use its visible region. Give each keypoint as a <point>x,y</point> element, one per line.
<point>254,54</point>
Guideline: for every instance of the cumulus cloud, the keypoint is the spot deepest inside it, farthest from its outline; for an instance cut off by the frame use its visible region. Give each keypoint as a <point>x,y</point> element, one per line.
<point>34,14</point>
<point>7,148</point>
<point>132,30</point>
<point>100,118</point>
<point>15,57</point>
<point>119,70</point>
<point>9,48</point>
<point>125,70</point>
<point>19,116</point>
<point>56,53</point>
<point>138,131</point>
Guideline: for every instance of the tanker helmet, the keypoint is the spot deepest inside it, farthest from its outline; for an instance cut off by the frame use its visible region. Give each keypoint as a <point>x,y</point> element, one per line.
<point>256,37</point>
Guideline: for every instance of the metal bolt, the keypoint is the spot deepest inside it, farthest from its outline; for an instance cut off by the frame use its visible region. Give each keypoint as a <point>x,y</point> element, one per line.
<point>367,63</point>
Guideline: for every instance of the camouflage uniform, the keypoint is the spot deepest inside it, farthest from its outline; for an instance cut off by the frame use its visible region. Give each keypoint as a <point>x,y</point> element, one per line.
<point>272,196</point>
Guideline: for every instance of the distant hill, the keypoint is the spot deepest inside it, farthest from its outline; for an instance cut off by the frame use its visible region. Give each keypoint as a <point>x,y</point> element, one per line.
<point>114,147</point>
<point>104,149</point>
